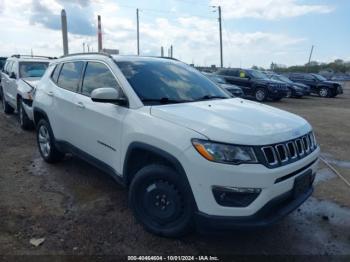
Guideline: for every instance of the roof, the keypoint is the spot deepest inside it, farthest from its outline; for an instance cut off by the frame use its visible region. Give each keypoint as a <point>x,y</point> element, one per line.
<point>114,57</point>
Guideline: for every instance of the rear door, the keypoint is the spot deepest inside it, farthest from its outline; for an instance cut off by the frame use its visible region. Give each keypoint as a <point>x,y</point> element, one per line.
<point>64,111</point>
<point>100,124</point>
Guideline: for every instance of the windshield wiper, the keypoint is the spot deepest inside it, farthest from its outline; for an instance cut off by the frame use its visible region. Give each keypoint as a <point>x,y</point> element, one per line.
<point>209,97</point>
<point>165,100</point>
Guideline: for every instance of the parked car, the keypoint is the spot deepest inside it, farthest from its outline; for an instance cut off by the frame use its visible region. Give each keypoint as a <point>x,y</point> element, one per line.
<point>297,89</point>
<point>318,84</point>
<point>2,63</point>
<point>190,154</point>
<point>232,89</point>
<point>19,78</point>
<point>255,83</point>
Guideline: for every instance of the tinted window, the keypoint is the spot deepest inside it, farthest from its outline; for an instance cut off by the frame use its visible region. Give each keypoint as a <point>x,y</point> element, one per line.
<point>97,75</point>
<point>70,76</point>
<point>308,77</point>
<point>168,80</point>
<point>32,69</point>
<point>2,63</point>
<point>55,73</point>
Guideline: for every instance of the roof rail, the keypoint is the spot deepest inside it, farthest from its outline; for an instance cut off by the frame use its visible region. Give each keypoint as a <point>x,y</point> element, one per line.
<point>89,53</point>
<point>33,56</point>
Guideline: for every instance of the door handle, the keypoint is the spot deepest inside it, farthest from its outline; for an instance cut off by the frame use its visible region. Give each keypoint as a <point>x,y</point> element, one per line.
<point>50,93</point>
<point>80,104</point>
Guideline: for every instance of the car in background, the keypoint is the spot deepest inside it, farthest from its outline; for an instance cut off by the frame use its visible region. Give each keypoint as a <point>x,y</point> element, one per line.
<point>232,89</point>
<point>2,63</point>
<point>19,78</point>
<point>318,84</point>
<point>255,83</point>
<point>298,90</point>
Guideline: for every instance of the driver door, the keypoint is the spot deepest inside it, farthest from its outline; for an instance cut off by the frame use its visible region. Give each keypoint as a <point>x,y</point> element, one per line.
<point>100,124</point>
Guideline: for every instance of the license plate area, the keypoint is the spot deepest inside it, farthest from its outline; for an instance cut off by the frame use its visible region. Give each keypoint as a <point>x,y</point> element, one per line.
<point>302,183</point>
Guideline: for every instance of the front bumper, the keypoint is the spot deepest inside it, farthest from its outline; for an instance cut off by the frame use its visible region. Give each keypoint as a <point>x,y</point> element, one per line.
<point>203,175</point>
<point>278,93</point>
<point>271,213</point>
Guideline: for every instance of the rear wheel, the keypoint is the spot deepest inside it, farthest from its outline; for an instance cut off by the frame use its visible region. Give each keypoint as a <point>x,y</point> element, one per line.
<point>23,118</point>
<point>46,143</point>
<point>161,201</point>
<point>5,106</point>
<point>260,94</point>
<point>323,92</point>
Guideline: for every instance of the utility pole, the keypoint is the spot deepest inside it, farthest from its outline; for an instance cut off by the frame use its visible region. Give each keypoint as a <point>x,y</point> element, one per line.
<point>162,51</point>
<point>308,64</point>
<point>83,47</point>
<point>138,31</point>
<point>171,51</point>
<point>221,58</point>
<point>312,49</point>
<point>99,33</point>
<point>64,32</point>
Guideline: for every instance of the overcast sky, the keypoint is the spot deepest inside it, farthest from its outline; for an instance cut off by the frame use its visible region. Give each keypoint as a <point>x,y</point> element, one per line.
<point>255,32</point>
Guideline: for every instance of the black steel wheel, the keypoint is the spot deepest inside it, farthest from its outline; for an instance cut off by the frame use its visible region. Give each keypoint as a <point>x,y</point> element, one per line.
<point>161,201</point>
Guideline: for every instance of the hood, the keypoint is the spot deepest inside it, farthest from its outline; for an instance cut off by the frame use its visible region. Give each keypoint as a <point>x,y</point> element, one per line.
<point>235,121</point>
<point>32,81</point>
<point>331,83</point>
<point>231,87</point>
<point>301,85</point>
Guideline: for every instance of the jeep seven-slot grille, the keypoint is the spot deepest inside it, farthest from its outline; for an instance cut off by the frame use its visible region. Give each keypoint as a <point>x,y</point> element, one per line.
<point>286,152</point>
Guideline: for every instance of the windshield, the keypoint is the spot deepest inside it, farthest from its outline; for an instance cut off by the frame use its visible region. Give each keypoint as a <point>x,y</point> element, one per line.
<point>319,77</point>
<point>284,79</point>
<point>257,74</point>
<point>32,69</point>
<point>217,79</point>
<point>163,81</point>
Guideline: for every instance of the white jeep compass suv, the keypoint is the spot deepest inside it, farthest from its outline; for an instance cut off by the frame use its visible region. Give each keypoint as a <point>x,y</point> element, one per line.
<point>189,154</point>
<point>19,77</point>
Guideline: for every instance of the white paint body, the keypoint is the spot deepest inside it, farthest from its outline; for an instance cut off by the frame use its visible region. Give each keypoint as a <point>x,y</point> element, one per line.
<point>78,120</point>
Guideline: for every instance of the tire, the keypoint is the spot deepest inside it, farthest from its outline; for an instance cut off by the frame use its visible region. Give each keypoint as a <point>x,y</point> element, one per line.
<point>24,121</point>
<point>46,143</point>
<point>6,108</point>
<point>162,201</point>
<point>260,94</point>
<point>323,92</point>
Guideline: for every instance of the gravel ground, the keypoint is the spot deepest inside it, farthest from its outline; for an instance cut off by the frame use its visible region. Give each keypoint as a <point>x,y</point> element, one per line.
<point>81,211</point>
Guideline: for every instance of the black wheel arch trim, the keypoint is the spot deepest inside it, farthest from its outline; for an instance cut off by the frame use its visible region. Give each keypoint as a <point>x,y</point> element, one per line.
<point>155,150</point>
<point>160,152</point>
<point>38,110</point>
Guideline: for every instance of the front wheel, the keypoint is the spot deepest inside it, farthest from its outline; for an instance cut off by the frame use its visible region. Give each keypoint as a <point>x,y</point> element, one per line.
<point>6,108</point>
<point>46,143</point>
<point>323,92</point>
<point>161,201</point>
<point>23,118</point>
<point>260,94</point>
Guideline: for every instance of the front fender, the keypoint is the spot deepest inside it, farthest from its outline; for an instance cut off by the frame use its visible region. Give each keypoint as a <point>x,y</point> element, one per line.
<point>24,89</point>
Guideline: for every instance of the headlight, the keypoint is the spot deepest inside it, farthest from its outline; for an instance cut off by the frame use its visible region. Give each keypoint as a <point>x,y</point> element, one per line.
<point>224,153</point>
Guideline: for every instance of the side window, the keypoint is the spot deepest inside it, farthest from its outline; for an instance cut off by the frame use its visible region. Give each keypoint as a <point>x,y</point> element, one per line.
<point>55,73</point>
<point>69,77</point>
<point>97,75</point>
<point>242,74</point>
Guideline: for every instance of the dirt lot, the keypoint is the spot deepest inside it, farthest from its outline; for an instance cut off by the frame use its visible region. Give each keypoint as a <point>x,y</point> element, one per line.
<point>79,210</point>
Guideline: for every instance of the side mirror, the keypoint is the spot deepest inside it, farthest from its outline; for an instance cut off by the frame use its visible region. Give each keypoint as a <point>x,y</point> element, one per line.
<point>13,75</point>
<point>108,95</point>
